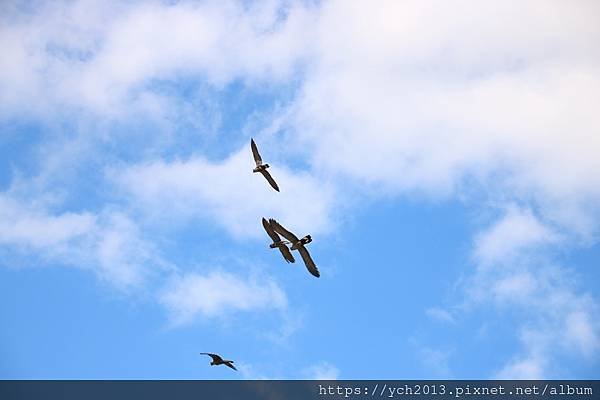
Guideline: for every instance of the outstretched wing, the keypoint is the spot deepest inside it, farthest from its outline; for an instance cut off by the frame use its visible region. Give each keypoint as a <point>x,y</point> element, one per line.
<point>286,253</point>
<point>215,357</point>
<point>282,231</point>
<point>255,153</point>
<point>272,234</point>
<point>310,264</point>
<point>230,364</point>
<point>270,179</point>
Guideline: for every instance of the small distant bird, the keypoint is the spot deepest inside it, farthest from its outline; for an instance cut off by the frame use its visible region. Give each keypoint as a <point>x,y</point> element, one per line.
<point>217,360</point>
<point>262,168</point>
<point>277,242</point>
<point>297,244</point>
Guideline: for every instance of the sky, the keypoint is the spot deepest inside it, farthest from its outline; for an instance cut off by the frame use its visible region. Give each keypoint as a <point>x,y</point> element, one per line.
<point>442,155</point>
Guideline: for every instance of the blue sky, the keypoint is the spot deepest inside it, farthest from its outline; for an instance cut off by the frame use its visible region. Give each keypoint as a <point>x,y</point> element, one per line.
<point>443,157</point>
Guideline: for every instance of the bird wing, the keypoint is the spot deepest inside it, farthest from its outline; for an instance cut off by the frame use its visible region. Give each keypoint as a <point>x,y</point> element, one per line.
<point>215,357</point>
<point>272,234</point>
<point>310,264</point>
<point>255,153</point>
<point>286,253</point>
<point>282,231</point>
<point>230,364</point>
<point>270,179</point>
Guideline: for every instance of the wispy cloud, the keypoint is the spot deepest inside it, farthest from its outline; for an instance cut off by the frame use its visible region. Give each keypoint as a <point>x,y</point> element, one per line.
<point>35,228</point>
<point>436,361</point>
<point>516,231</point>
<point>109,243</point>
<point>321,371</point>
<point>516,274</point>
<point>440,314</point>
<point>529,368</point>
<point>218,293</point>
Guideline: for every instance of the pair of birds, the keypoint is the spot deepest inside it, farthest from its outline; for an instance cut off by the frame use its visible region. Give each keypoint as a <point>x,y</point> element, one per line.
<point>274,229</point>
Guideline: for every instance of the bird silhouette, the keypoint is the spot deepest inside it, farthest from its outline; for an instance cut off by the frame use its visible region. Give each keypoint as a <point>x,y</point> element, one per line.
<point>218,360</point>
<point>260,167</point>
<point>278,243</point>
<point>297,244</point>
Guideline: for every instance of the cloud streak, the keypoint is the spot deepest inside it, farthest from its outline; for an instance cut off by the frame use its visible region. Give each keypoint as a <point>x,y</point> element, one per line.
<point>515,272</point>
<point>108,243</point>
<point>215,294</point>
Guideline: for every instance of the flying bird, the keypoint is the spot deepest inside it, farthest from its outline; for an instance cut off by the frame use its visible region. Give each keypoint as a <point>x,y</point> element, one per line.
<point>297,244</point>
<point>218,360</point>
<point>262,168</point>
<point>277,242</point>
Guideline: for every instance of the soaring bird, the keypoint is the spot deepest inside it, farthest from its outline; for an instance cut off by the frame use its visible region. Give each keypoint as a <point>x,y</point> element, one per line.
<point>277,242</point>
<point>297,244</point>
<point>262,168</point>
<point>218,360</point>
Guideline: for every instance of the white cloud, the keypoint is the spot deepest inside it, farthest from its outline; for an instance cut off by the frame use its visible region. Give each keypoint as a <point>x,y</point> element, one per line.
<point>515,287</point>
<point>436,362</point>
<point>218,293</point>
<point>100,55</point>
<point>404,97</point>
<point>229,194</point>
<point>37,229</point>
<point>514,272</point>
<point>123,256</point>
<point>583,331</point>
<point>534,362</point>
<point>323,371</point>
<point>108,243</point>
<point>440,314</point>
<point>526,368</point>
<point>518,229</point>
